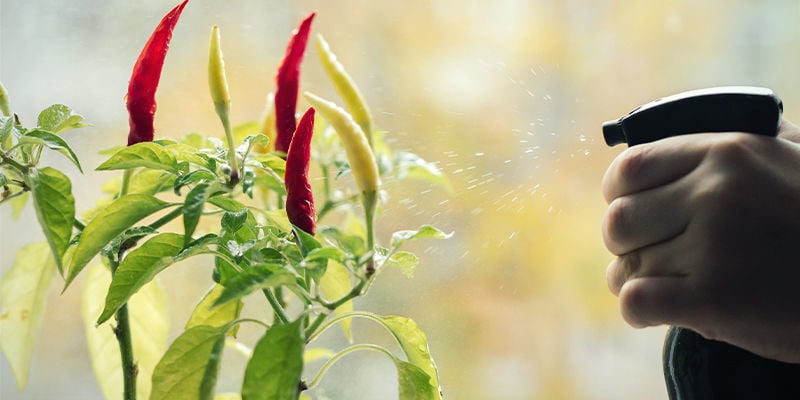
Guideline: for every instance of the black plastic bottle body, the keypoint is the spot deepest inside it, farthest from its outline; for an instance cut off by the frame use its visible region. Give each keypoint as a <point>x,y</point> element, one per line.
<point>696,368</point>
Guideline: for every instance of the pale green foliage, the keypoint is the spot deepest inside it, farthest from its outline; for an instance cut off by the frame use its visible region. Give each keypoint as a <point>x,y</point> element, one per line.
<point>149,329</point>
<point>23,297</point>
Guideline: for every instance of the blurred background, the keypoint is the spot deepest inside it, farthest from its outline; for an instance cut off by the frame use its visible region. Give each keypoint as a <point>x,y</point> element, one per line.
<point>506,96</point>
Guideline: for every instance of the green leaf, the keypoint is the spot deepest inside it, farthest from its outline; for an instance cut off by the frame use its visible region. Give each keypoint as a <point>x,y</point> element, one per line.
<point>6,127</point>
<point>107,224</point>
<point>335,284</point>
<point>252,140</point>
<point>58,118</point>
<point>407,262</point>
<point>276,367</point>
<point>400,238</point>
<point>138,268</point>
<point>415,346</point>
<point>326,253</point>
<point>23,291</point>
<point>206,314</point>
<point>133,234</point>
<point>258,277</point>
<point>55,208</point>
<point>52,141</point>
<point>412,166</point>
<point>193,208</point>
<point>149,320</point>
<point>413,383</point>
<point>352,244</point>
<point>232,221</point>
<point>189,368</point>
<point>143,154</point>
<point>188,153</point>
<point>192,178</point>
<point>306,242</point>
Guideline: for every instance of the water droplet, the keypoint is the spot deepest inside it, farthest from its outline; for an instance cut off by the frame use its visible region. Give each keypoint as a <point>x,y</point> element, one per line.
<point>582,138</point>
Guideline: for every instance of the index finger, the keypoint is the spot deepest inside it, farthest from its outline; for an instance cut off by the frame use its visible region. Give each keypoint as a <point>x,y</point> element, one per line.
<point>649,165</point>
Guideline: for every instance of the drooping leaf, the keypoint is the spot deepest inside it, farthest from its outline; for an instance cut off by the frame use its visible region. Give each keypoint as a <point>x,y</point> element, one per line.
<point>52,141</point>
<point>276,367</point>
<point>305,242</point>
<point>414,383</point>
<point>400,238</point>
<point>58,118</point>
<point>192,178</point>
<point>107,224</point>
<point>149,321</point>
<point>23,292</point>
<point>189,368</point>
<point>412,166</point>
<point>415,346</point>
<point>143,154</point>
<point>335,284</point>
<point>55,208</point>
<point>206,314</point>
<point>326,253</point>
<point>407,262</point>
<point>193,208</point>
<point>257,277</point>
<point>138,268</point>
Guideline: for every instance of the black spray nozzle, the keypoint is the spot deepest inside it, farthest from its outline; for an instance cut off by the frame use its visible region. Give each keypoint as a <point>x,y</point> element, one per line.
<point>722,109</point>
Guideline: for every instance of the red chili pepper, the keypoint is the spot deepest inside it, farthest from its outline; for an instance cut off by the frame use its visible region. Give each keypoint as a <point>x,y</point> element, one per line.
<point>141,97</point>
<point>299,199</point>
<point>288,82</point>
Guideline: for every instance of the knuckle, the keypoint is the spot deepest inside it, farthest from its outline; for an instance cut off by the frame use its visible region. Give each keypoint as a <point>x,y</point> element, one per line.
<point>633,305</point>
<point>632,162</point>
<point>622,270</point>
<point>616,224</point>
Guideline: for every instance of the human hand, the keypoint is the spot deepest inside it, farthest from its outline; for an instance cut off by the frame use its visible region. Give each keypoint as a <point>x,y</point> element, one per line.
<point>706,228</point>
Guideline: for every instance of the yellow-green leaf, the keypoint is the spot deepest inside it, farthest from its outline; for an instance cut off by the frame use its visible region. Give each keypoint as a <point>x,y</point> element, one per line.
<point>415,345</point>
<point>138,268</point>
<point>205,314</point>
<point>334,285</point>
<point>107,224</point>
<point>149,330</point>
<point>23,293</point>
<point>189,368</point>
<point>144,154</point>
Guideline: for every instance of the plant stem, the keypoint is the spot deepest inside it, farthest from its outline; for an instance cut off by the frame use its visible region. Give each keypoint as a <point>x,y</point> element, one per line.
<point>280,314</point>
<point>129,368</point>
<point>339,355</point>
<point>314,325</point>
<point>370,201</point>
<point>123,329</point>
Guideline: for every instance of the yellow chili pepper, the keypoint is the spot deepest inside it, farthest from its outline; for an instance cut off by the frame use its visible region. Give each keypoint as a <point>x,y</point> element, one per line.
<point>359,153</point>
<point>4,111</point>
<point>353,100</point>
<point>218,86</point>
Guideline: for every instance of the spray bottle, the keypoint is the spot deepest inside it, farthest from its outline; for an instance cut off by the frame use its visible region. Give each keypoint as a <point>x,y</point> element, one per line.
<point>694,367</point>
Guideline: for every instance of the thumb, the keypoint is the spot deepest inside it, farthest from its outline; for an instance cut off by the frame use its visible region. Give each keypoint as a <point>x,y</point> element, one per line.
<point>789,131</point>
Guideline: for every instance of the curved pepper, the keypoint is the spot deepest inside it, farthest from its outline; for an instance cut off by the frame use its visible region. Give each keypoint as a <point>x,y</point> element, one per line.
<point>288,83</point>
<point>140,99</point>
<point>299,198</point>
<point>359,154</point>
<point>347,89</point>
<point>218,86</point>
